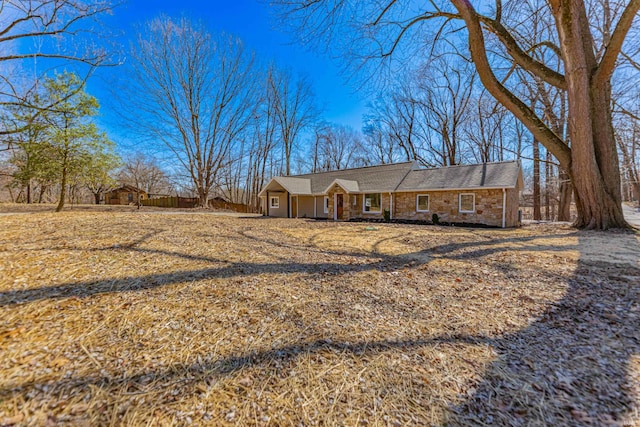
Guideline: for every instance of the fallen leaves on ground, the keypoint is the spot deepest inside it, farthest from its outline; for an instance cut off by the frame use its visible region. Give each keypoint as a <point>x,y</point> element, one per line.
<point>194,319</point>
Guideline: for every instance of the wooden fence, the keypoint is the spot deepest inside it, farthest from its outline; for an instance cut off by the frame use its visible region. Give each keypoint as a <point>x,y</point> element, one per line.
<point>191,202</point>
<point>172,202</point>
<point>236,207</point>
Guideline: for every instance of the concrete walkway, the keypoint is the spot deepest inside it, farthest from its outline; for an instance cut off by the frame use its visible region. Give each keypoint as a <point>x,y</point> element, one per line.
<point>631,214</point>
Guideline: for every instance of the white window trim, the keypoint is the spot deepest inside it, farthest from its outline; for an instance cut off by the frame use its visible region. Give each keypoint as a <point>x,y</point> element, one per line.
<point>271,199</point>
<point>354,200</point>
<point>428,202</point>
<point>326,204</point>
<point>460,202</point>
<point>364,201</point>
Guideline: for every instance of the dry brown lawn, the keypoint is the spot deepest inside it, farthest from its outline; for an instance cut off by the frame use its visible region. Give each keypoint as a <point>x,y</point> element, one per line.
<point>140,318</point>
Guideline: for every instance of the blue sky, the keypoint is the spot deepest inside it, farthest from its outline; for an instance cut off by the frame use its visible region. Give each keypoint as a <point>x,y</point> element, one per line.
<point>250,20</point>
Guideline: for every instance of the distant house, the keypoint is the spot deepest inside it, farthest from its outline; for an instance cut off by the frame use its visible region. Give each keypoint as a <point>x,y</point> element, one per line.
<point>485,193</point>
<point>125,195</point>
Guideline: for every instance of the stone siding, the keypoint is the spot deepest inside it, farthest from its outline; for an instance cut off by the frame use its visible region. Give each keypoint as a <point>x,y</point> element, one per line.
<point>358,212</point>
<point>346,205</point>
<point>488,207</point>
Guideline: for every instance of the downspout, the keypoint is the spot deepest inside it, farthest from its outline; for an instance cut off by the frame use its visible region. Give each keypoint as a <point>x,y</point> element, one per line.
<point>390,205</point>
<point>315,206</point>
<point>504,208</point>
<point>267,202</point>
<point>289,204</point>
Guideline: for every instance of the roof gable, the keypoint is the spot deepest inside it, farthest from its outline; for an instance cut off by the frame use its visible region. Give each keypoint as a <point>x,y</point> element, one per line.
<point>345,184</point>
<point>292,185</point>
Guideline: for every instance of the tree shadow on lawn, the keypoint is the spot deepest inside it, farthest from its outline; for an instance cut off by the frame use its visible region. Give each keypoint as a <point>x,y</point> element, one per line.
<point>378,261</point>
<point>572,366</point>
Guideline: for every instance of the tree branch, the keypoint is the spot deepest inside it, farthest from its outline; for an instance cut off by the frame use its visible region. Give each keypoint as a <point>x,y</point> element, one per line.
<point>608,61</point>
<point>537,127</point>
<point>520,56</point>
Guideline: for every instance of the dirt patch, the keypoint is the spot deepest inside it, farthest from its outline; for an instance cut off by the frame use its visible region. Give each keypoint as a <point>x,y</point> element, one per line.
<point>132,318</point>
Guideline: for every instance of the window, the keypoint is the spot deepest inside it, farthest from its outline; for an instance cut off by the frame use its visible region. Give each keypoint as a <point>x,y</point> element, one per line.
<point>372,203</point>
<point>326,204</point>
<point>467,203</point>
<point>422,203</point>
<point>130,197</point>
<point>274,202</point>
<point>354,200</point>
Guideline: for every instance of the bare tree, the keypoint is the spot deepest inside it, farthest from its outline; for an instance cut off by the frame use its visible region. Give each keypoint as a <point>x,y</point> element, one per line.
<point>145,174</point>
<point>381,146</point>
<point>588,59</point>
<point>447,91</point>
<point>338,147</point>
<point>294,109</point>
<point>396,117</point>
<point>57,31</point>
<point>193,92</point>
<point>628,137</point>
<point>487,129</point>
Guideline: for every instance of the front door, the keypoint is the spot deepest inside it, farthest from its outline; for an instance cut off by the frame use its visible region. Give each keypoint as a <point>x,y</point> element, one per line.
<point>339,206</point>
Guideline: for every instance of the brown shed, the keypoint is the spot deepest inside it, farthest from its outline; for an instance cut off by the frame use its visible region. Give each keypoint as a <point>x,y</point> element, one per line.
<point>125,195</point>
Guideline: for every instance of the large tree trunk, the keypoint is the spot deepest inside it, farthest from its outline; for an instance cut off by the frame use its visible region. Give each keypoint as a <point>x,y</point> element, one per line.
<point>594,159</point>
<point>591,160</point>
<point>43,189</point>
<point>565,191</point>
<point>97,197</point>
<point>537,215</point>
<point>63,190</point>
<point>547,187</point>
<point>203,197</point>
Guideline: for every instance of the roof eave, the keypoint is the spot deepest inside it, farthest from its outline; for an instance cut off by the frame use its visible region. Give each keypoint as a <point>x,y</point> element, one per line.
<point>415,190</point>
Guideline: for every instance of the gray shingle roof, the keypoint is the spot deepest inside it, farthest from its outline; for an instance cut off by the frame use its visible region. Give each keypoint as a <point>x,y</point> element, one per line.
<point>382,178</point>
<point>294,185</point>
<point>406,177</point>
<point>486,175</point>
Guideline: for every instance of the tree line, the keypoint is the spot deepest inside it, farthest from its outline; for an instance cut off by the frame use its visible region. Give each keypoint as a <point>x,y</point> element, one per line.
<point>546,82</point>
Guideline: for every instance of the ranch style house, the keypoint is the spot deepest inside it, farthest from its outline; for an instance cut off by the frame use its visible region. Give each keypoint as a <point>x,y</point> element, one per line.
<point>486,193</point>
